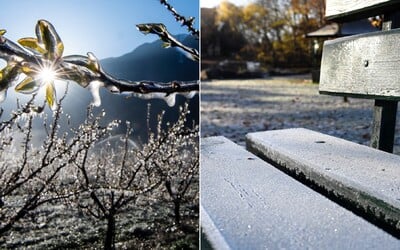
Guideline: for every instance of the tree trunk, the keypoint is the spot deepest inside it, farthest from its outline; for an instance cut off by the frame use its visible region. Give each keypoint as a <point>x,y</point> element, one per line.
<point>177,206</point>
<point>109,243</point>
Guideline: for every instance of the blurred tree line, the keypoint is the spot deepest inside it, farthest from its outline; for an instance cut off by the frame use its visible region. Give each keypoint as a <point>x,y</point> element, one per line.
<point>268,31</point>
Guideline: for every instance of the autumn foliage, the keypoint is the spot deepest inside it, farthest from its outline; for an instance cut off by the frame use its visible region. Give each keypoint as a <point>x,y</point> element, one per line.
<point>269,31</point>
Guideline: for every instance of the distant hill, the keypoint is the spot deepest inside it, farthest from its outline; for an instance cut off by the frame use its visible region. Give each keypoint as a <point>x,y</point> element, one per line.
<point>150,61</point>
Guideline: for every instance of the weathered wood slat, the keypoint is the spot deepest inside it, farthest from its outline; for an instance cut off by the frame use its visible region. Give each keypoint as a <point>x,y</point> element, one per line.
<point>363,177</point>
<point>339,10</point>
<point>365,66</point>
<point>248,204</point>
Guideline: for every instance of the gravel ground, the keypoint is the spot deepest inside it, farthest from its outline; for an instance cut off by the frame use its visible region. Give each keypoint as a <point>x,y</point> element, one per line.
<point>233,108</point>
<point>148,225</point>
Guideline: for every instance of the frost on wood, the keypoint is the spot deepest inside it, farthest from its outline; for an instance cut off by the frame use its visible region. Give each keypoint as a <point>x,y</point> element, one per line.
<point>41,61</point>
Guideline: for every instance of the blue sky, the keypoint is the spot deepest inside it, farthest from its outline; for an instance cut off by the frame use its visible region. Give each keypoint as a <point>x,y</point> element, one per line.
<point>104,27</point>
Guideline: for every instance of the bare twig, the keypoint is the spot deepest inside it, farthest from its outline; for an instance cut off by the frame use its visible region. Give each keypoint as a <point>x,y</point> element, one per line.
<point>169,41</point>
<point>188,22</point>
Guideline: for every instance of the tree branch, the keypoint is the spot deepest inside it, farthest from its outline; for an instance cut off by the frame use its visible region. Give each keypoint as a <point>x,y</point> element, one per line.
<point>31,59</point>
<point>169,40</point>
<point>75,68</point>
<point>185,22</point>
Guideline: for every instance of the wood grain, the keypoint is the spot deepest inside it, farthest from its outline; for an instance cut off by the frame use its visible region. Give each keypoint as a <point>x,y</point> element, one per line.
<point>247,203</point>
<point>353,9</point>
<point>365,66</point>
<point>354,173</point>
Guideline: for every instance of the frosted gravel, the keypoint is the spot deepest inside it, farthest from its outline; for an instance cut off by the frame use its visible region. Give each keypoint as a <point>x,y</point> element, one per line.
<point>233,108</point>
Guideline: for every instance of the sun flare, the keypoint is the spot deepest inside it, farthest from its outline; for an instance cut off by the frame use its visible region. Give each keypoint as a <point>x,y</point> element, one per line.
<point>47,74</point>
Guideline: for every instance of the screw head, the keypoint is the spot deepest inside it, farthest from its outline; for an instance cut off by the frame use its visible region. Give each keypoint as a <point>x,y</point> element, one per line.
<point>366,63</point>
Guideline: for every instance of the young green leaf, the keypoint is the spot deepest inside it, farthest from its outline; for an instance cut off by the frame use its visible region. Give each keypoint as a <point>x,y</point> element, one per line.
<point>7,75</point>
<point>28,86</point>
<point>47,35</point>
<point>51,95</point>
<point>93,62</point>
<point>154,28</point>
<point>166,45</point>
<point>32,44</point>
<point>27,68</point>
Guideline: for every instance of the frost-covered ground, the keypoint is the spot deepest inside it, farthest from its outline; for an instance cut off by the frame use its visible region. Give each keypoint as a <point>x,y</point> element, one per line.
<point>146,226</point>
<point>233,108</point>
<point>145,223</point>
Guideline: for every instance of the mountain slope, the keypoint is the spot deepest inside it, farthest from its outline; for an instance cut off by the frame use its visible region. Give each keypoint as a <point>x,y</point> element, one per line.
<point>152,62</point>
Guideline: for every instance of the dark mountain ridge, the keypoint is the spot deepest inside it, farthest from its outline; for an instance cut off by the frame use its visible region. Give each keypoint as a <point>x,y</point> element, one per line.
<point>150,61</point>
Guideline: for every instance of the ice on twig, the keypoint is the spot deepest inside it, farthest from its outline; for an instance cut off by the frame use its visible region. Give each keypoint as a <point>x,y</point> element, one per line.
<point>170,99</point>
<point>3,95</point>
<point>190,95</point>
<point>95,90</point>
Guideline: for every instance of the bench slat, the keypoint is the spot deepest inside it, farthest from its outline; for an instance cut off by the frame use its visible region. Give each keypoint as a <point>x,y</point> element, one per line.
<point>353,9</point>
<point>248,204</point>
<point>365,177</point>
<point>365,66</point>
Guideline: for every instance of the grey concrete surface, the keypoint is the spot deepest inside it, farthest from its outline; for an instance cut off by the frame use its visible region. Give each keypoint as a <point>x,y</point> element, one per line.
<point>248,204</point>
<point>366,177</point>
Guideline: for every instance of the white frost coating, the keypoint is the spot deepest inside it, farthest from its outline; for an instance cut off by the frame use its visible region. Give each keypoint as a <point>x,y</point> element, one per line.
<point>3,95</point>
<point>169,99</point>
<point>185,53</point>
<point>113,89</point>
<point>3,63</point>
<point>95,90</point>
<point>237,198</point>
<point>190,94</point>
<point>114,142</point>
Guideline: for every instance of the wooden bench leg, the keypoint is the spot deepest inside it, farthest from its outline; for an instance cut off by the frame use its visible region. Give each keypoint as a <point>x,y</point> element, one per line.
<point>384,125</point>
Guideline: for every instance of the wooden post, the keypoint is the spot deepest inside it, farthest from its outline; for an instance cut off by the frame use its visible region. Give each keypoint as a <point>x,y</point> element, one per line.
<point>384,125</point>
<point>384,121</point>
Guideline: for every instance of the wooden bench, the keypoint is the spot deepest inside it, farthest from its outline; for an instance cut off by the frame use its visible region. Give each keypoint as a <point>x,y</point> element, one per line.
<point>361,178</point>
<point>364,66</point>
<point>249,204</point>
